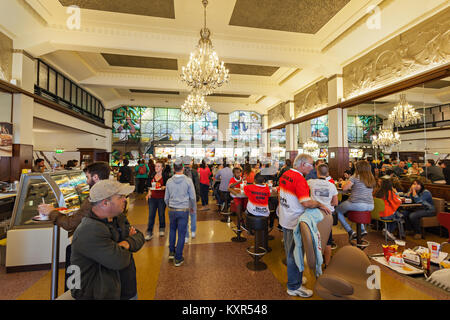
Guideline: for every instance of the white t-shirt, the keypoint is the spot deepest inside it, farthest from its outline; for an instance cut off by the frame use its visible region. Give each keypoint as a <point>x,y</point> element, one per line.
<point>322,191</point>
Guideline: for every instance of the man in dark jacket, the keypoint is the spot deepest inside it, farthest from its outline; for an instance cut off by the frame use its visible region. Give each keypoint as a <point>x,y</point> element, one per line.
<point>103,244</point>
<point>433,172</point>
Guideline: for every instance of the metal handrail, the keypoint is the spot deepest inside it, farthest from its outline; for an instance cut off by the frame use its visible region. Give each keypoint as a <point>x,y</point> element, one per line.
<point>55,262</point>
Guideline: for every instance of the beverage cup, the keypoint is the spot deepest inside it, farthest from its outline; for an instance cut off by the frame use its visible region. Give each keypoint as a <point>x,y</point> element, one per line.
<point>43,217</point>
<point>434,248</point>
<point>401,245</point>
<point>153,185</point>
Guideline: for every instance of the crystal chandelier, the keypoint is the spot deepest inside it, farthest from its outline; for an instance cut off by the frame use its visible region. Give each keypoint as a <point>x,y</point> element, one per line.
<point>404,114</point>
<point>204,72</point>
<point>310,146</point>
<point>386,139</point>
<point>195,106</point>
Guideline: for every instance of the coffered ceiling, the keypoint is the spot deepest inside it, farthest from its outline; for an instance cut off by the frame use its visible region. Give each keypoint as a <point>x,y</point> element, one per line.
<point>302,16</point>
<point>152,8</point>
<point>132,51</point>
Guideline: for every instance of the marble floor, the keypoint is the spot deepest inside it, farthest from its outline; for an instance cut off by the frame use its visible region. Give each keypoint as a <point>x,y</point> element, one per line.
<point>215,268</point>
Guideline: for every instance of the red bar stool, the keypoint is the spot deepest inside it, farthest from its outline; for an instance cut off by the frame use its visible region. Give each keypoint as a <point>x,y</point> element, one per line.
<point>359,217</point>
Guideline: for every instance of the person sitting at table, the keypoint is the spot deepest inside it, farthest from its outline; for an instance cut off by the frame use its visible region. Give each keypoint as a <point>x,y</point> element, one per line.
<point>415,169</point>
<point>233,188</point>
<point>433,172</point>
<point>400,170</point>
<point>392,202</point>
<point>361,185</point>
<point>389,174</point>
<point>445,165</point>
<point>326,193</point>
<point>419,194</point>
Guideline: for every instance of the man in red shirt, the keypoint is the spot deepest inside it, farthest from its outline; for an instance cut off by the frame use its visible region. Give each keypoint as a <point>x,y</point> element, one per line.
<point>294,199</point>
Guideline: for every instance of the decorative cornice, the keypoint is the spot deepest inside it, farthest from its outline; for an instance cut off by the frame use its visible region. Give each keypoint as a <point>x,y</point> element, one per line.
<point>26,54</point>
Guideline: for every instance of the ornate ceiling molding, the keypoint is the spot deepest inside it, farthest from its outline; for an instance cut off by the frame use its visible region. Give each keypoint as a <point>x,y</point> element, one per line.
<point>277,115</point>
<point>313,98</point>
<point>424,47</point>
<point>6,47</point>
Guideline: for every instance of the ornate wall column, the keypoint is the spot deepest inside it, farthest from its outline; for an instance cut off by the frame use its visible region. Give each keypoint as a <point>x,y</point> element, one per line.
<point>337,129</point>
<point>265,136</point>
<point>291,132</point>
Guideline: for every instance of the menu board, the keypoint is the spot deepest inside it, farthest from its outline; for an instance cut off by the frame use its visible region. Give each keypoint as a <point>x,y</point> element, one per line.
<point>238,152</point>
<point>254,153</point>
<point>189,152</point>
<point>6,139</point>
<point>180,152</point>
<point>198,152</point>
<point>224,152</point>
<point>163,152</point>
<point>356,153</point>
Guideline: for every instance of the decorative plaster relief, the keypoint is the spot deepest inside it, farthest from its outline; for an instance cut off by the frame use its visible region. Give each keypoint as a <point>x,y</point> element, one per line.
<point>421,48</point>
<point>6,46</point>
<point>277,115</point>
<point>311,99</point>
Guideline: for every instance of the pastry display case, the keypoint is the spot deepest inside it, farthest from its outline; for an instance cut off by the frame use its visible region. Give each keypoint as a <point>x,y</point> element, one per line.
<point>29,244</point>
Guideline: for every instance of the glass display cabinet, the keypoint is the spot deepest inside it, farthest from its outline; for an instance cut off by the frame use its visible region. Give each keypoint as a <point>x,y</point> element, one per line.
<point>29,244</point>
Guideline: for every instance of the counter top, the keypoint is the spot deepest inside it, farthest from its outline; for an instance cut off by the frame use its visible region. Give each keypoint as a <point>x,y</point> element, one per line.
<point>7,195</point>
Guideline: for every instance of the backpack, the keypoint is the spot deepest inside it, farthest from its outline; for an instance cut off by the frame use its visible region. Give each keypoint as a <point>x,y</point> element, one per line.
<point>142,169</point>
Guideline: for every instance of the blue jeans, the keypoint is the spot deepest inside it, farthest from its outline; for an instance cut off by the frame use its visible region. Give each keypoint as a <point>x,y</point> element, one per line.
<point>413,217</point>
<point>193,217</point>
<point>294,275</point>
<point>153,205</point>
<point>178,222</point>
<point>391,226</point>
<point>351,206</point>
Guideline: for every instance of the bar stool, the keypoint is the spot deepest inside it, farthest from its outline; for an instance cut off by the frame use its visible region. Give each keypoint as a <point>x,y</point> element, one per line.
<point>259,225</point>
<point>359,217</point>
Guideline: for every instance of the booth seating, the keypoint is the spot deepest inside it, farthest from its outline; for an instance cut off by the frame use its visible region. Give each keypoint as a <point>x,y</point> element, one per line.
<point>359,217</point>
<point>375,215</point>
<point>345,278</point>
<point>259,226</point>
<point>428,222</point>
<point>444,220</point>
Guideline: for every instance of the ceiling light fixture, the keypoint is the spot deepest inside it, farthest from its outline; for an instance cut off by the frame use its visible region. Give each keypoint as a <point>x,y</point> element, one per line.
<point>195,106</point>
<point>404,114</point>
<point>204,72</point>
<point>310,146</point>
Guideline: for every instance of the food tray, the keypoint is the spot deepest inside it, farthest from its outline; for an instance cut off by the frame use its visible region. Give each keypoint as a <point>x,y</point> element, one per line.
<point>414,270</point>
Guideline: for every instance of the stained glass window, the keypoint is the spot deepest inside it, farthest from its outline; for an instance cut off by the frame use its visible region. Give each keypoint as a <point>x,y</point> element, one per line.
<point>319,129</point>
<point>245,126</point>
<point>362,128</point>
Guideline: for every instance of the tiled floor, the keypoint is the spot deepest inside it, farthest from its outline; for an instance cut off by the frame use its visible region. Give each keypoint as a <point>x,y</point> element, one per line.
<point>215,267</point>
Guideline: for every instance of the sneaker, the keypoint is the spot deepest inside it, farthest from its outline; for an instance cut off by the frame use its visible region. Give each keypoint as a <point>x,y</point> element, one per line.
<point>352,236</point>
<point>161,233</point>
<point>301,292</point>
<point>148,236</point>
<point>193,235</point>
<point>186,240</point>
<point>365,233</point>
<point>179,262</point>
<point>171,255</point>
<point>304,280</point>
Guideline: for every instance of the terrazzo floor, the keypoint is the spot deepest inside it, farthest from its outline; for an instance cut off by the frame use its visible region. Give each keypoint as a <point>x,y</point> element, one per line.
<point>215,268</point>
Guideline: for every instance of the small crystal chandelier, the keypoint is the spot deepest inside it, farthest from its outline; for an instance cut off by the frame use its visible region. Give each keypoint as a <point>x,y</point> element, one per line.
<point>204,73</point>
<point>195,106</point>
<point>404,114</point>
<point>386,139</point>
<point>310,146</point>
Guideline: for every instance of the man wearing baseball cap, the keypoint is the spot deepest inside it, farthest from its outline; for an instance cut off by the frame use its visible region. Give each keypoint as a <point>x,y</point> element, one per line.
<point>103,244</point>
